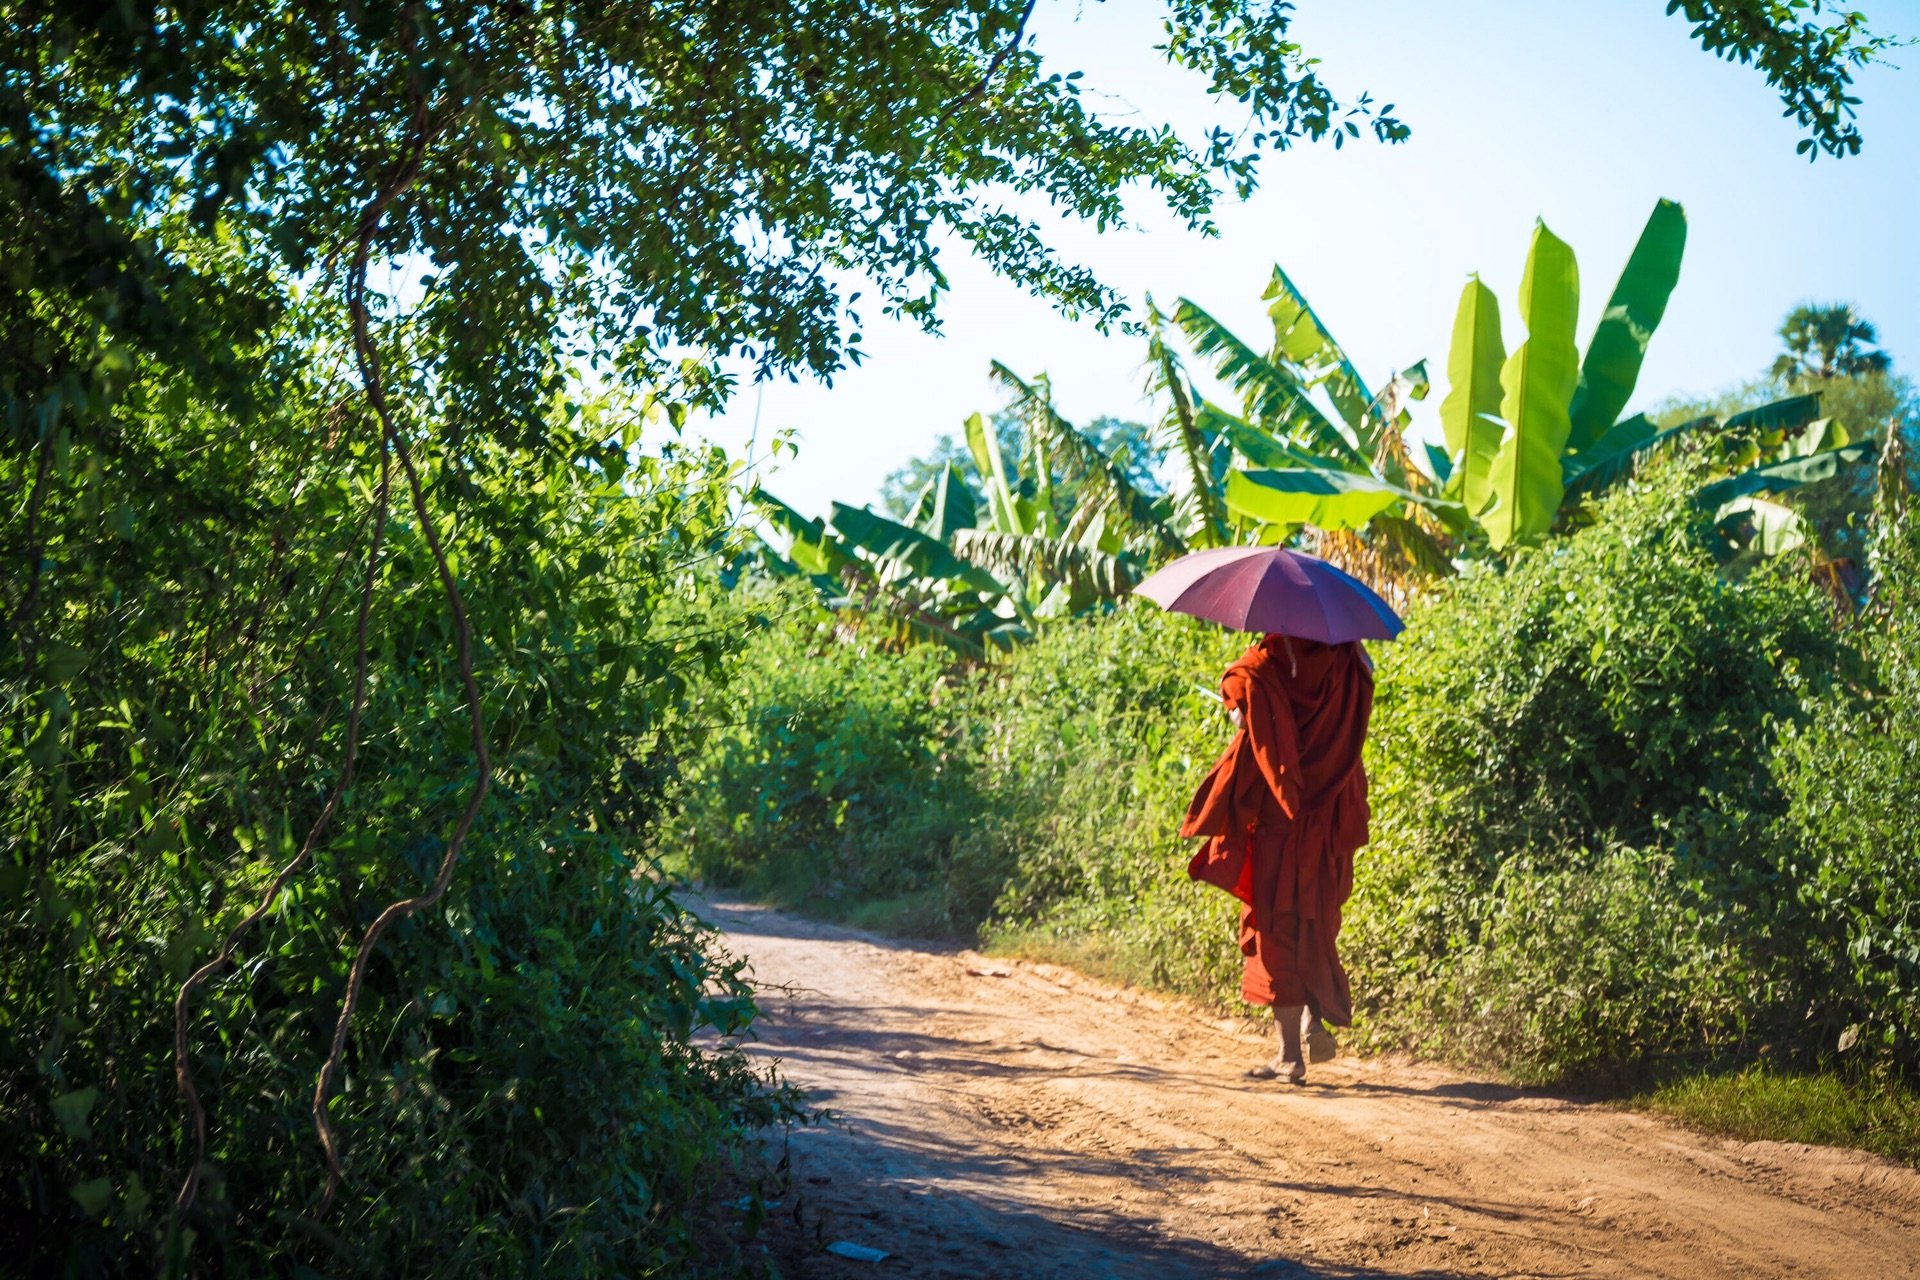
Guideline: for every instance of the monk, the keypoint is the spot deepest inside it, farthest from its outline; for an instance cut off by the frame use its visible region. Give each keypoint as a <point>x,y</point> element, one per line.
<point>1283,812</point>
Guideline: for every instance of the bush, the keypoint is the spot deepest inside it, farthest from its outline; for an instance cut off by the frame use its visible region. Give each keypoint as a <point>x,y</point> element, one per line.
<point>1849,846</point>
<point>1570,868</point>
<point>521,1091</point>
<point>830,773</point>
<point>1099,733</point>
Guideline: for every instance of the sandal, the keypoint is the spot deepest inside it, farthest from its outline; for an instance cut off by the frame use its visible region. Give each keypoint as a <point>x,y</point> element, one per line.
<point>1267,1071</point>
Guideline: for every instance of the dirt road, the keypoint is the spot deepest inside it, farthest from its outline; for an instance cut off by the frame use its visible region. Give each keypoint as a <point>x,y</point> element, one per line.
<point>999,1119</point>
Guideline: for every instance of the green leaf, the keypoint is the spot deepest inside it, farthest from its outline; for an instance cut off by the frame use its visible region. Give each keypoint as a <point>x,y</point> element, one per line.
<point>1085,572</point>
<point>813,549</point>
<point>72,1109</point>
<point>1080,456</point>
<point>1538,381</point>
<point>1325,498</point>
<point>1300,339</point>
<point>1633,312</point>
<point>984,443</point>
<point>886,539</point>
<point>1757,524</point>
<point>1778,415</point>
<point>1471,412</point>
<point>1272,396</point>
<point>1197,510</point>
<point>1612,457</point>
<point>953,507</point>
<point>64,661</point>
<point>94,1196</point>
<point>1259,448</point>
<point>1791,474</point>
<point>1818,436</point>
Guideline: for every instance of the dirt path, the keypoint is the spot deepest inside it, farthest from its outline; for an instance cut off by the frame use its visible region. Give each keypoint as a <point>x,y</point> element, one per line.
<point>1033,1123</point>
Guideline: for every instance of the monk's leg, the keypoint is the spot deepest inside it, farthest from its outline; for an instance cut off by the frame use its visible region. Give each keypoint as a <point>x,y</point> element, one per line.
<point>1287,1020</point>
<point>1321,1046</point>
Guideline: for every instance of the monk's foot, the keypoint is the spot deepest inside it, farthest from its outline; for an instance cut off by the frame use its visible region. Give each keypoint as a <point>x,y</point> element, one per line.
<point>1279,1069</point>
<point>1321,1046</point>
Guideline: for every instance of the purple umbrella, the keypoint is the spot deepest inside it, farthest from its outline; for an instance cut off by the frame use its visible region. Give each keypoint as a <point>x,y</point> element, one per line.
<point>1275,590</point>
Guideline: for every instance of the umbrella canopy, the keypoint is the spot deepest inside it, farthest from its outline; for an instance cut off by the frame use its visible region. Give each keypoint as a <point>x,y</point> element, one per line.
<point>1275,590</point>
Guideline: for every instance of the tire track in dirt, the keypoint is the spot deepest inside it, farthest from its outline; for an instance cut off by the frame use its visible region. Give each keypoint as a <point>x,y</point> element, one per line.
<point>1040,1124</point>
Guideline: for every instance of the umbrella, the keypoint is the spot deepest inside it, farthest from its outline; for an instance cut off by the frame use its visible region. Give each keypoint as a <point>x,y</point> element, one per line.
<point>1275,590</point>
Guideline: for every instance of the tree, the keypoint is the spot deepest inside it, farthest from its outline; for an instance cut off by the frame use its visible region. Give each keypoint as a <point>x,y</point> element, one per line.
<point>1828,342</point>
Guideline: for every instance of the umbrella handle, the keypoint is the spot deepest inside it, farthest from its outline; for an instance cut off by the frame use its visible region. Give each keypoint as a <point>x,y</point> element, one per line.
<point>1292,661</point>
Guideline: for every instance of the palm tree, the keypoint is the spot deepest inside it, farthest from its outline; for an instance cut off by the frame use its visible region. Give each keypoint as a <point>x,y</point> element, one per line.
<point>1828,342</point>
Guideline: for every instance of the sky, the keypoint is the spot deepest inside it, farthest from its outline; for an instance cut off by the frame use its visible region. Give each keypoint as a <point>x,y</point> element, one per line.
<point>1581,114</point>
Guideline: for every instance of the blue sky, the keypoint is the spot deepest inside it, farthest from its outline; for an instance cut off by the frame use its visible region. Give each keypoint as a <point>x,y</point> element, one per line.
<point>1582,114</point>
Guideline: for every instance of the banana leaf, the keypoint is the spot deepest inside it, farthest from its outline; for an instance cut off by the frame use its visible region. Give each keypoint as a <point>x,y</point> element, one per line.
<point>1272,395</point>
<point>1819,435</point>
<point>1082,457</point>
<point>1785,415</point>
<point>1470,414</point>
<point>812,548</point>
<point>1199,514</point>
<point>984,443</point>
<point>1634,311</point>
<point>886,539</point>
<point>1776,477</point>
<point>946,504</point>
<point>1755,524</point>
<point>1055,561</point>
<point>1300,339</point>
<point>1323,497</point>
<point>1526,484</point>
<point>1621,450</point>
<point>1260,448</point>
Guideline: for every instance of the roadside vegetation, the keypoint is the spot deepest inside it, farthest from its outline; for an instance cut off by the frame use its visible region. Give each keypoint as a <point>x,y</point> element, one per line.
<point>1638,782</point>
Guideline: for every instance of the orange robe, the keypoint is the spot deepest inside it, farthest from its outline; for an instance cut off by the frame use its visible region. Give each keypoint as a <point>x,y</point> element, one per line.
<point>1283,812</point>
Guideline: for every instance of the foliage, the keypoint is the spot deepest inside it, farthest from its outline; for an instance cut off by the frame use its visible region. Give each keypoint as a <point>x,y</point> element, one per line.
<point>1098,733</point>
<point>1850,842</point>
<point>1129,444</point>
<point>1811,64</point>
<point>829,771</point>
<point>292,305</point>
<point>1061,530</point>
<point>522,1089</point>
<point>1571,869</point>
<point>1833,517</point>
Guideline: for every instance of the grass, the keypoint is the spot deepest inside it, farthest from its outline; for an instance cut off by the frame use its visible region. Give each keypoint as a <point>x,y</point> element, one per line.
<point>1758,1104</point>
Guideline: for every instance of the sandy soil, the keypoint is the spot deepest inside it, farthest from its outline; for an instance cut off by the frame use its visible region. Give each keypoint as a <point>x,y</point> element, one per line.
<point>1002,1119</point>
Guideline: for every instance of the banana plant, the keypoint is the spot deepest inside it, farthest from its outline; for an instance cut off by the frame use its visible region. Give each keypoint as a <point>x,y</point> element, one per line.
<point>974,575</point>
<point>897,578</point>
<point>1520,427</point>
<point>1311,447</point>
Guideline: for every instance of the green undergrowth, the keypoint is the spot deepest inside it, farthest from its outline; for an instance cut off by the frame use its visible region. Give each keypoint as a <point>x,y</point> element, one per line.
<point>1634,820</point>
<point>1870,1113</point>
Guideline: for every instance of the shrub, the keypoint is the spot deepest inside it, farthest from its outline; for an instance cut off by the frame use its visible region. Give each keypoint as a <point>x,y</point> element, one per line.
<point>1098,735</point>
<point>521,1089</point>
<point>1570,862</point>
<point>830,772</point>
<point>1849,846</point>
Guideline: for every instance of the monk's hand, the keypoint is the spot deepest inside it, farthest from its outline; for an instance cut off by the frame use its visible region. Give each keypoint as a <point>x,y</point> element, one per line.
<point>1233,714</point>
